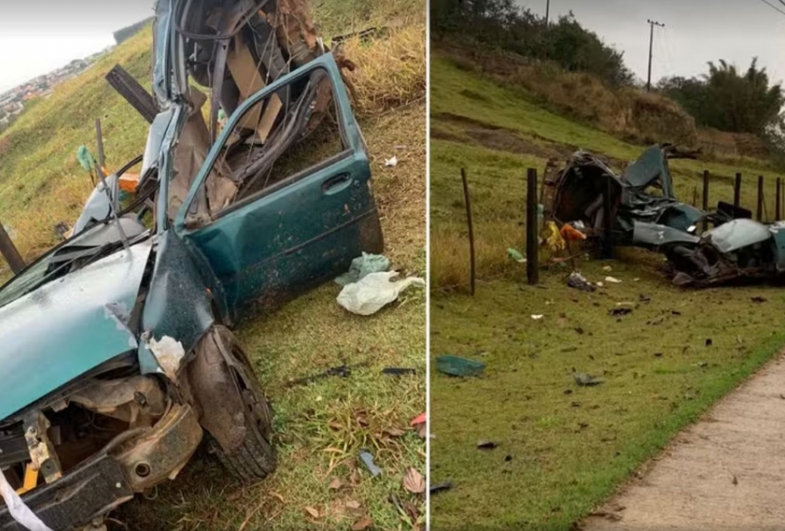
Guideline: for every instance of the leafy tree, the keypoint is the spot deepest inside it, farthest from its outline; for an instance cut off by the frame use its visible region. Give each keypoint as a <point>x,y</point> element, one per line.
<point>729,100</point>
<point>503,24</point>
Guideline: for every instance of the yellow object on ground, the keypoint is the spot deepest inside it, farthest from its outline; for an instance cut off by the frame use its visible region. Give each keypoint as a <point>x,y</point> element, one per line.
<point>552,238</point>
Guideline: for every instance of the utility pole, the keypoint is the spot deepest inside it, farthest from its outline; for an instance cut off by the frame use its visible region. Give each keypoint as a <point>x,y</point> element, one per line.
<point>652,23</point>
<point>547,12</point>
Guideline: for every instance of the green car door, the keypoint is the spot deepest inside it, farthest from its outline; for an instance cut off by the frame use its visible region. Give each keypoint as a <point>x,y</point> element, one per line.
<point>307,213</point>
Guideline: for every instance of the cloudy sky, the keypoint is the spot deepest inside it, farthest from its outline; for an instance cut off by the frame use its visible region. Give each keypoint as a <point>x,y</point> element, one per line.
<point>37,37</point>
<point>696,31</point>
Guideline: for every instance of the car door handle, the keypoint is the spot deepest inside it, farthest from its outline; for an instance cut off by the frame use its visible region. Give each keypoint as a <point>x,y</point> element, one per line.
<point>336,184</point>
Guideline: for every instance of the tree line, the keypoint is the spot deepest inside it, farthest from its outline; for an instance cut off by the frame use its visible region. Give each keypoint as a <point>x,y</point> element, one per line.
<point>724,98</point>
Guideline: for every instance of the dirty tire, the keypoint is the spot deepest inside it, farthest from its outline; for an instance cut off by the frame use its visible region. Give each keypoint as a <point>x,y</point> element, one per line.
<point>255,458</point>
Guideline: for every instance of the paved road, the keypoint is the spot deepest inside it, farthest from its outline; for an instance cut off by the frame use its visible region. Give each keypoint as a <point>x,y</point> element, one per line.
<point>726,473</point>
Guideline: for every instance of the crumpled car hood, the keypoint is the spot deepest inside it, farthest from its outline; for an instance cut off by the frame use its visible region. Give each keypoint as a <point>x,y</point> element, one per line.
<point>68,327</point>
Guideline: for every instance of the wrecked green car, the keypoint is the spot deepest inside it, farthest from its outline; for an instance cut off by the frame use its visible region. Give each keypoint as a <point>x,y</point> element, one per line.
<point>639,208</point>
<point>117,359</point>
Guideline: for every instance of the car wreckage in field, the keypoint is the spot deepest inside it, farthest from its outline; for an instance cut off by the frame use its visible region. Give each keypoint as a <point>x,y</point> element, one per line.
<point>639,208</point>
<point>117,360</point>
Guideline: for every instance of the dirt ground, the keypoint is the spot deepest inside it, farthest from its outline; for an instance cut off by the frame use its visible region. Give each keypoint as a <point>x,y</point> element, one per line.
<point>726,473</point>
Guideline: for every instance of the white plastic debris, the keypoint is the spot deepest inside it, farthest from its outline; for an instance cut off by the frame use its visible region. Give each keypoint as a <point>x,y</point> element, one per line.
<point>374,291</point>
<point>599,284</point>
<point>537,317</point>
<point>169,353</point>
<point>391,163</point>
<point>607,268</point>
<point>612,280</point>
<point>20,512</point>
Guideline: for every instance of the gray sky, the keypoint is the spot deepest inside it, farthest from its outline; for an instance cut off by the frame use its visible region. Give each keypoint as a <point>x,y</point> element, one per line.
<point>37,37</point>
<point>696,31</point>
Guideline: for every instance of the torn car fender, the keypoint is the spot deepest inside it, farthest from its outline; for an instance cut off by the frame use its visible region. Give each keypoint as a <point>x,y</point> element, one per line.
<point>176,282</point>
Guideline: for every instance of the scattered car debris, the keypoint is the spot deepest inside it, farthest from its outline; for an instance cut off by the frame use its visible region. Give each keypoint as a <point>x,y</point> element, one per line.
<point>461,367</point>
<point>398,371</point>
<point>341,371</point>
<point>578,281</point>
<point>552,238</point>
<point>373,292</point>
<point>586,380</point>
<point>487,445</point>
<point>612,280</point>
<point>391,163</point>
<point>515,255</point>
<point>537,317</point>
<point>362,266</point>
<point>620,311</point>
<point>441,487</point>
<point>225,219</point>
<point>367,459</point>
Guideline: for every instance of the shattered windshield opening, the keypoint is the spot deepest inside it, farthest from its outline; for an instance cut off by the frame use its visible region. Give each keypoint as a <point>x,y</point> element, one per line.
<point>93,244</point>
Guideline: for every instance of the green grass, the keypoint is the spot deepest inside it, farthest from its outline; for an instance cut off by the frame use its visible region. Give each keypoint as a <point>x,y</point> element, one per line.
<point>320,427</point>
<point>569,447</point>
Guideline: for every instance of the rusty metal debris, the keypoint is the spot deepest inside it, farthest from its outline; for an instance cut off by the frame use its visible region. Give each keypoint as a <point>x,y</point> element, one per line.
<point>639,208</point>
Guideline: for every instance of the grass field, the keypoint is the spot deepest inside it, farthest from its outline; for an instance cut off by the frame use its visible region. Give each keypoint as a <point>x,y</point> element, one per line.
<point>319,427</point>
<point>562,448</point>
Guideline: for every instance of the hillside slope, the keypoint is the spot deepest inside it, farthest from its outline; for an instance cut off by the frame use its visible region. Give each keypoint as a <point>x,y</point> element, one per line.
<point>496,133</point>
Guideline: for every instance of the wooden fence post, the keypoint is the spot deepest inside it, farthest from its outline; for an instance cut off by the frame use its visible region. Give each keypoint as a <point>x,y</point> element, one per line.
<point>737,190</point>
<point>778,201</point>
<point>532,238</point>
<point>9,252</point>
<point>759,204</point>
<point>468,202</point>
<point>705,197</point>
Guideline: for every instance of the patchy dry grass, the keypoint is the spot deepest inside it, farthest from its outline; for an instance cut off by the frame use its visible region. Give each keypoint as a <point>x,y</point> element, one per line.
<point>391,72</point>
<point>320,427</point>
<point>562,448</point>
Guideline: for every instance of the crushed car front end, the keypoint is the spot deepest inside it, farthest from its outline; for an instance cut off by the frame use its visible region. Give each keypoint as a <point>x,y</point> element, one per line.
<point>81,428</point>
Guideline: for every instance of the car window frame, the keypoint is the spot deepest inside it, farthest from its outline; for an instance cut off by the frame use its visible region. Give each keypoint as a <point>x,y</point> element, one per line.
<point>346,124</point>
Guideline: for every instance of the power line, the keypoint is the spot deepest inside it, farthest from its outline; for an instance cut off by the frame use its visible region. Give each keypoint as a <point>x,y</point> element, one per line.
<point>775,8</point>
